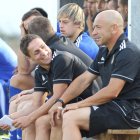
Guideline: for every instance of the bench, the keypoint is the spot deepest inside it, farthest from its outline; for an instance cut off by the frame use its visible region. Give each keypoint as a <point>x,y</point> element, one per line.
<point>120,134</point>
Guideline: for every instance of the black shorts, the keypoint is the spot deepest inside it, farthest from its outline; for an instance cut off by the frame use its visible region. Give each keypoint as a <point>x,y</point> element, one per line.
<point>109,116</point>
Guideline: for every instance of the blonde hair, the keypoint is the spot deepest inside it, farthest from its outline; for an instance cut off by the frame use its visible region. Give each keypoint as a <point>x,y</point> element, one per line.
<point>74,12</point>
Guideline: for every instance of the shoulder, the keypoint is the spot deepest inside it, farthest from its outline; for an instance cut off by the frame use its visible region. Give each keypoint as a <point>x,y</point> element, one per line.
<point>127,47</point>
<point>63,55</point>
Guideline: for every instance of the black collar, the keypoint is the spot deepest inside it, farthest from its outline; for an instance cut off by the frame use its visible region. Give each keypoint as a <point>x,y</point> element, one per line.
<point>115,48</point>
<point>77,37</point>
<point>118,43</point>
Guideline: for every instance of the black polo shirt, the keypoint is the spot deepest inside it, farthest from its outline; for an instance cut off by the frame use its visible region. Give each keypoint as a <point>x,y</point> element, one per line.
<point>123,62</point>
<point>64,68</point>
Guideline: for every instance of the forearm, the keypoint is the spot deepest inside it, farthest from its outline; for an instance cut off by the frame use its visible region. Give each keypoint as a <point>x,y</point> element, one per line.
<point>75,89</point>
<point>101,97</point>
<point>42,110</point>
<point>25,66</point>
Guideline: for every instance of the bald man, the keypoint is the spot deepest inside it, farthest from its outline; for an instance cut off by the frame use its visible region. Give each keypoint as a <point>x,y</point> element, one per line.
<point>116,105</point>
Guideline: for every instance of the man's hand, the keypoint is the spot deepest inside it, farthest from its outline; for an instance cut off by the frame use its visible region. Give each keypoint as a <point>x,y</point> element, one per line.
<point>70,107</point>
<point>22,29</point>
<point>5,127</point>
<point>22,122</point>
<point>56,110</point>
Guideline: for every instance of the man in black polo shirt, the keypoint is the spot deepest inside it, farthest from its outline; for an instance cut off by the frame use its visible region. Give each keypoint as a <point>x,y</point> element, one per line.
<point>56,70</point>
<point>41,26</point>
<point>117,104</point>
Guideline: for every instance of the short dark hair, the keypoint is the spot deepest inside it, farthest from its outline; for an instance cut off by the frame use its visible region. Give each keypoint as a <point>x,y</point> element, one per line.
<point>42,11</point>
<point>25,41</point>
<point>42,27</point>
<point>31,13</point>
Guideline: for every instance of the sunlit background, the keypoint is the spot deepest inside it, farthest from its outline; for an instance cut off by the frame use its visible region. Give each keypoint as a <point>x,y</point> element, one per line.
<point>11,12</point>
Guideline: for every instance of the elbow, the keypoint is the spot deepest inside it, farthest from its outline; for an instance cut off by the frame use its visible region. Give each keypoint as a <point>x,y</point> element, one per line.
<point>113,95</point>
<point>25,71</point>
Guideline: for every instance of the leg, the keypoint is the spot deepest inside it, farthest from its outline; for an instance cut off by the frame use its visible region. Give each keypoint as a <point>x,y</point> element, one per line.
<point>43,128</point>
<point>18,83</point>
<point>29,133</point>
<point>75,120</point>
<point>56,131</point>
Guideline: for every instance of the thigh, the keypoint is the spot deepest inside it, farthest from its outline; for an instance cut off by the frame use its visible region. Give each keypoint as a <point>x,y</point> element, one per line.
<point>81,117</point>
<point>43,120</point>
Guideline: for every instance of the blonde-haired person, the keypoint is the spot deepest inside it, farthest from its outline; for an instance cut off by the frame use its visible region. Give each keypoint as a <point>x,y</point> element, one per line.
<point>72,23</point>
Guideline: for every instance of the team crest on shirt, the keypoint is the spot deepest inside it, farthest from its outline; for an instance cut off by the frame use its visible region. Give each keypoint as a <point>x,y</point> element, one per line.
<point>102,60</point>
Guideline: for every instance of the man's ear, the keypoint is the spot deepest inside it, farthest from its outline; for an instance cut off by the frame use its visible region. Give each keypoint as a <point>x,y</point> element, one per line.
<point>114,28</point>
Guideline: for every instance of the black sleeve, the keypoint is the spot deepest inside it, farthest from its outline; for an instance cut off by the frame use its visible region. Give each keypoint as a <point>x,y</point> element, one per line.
<point>94,66</point>
<point>38,82</point>
<point>126,65</point>
<point>62,69</point>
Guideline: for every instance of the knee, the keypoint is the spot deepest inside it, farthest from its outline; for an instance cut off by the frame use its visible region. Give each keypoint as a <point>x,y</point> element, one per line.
<point>42,123</point>
<point>69,118</point>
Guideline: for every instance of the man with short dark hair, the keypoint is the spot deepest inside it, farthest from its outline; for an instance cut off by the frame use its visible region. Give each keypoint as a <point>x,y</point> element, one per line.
<point>55,71</point>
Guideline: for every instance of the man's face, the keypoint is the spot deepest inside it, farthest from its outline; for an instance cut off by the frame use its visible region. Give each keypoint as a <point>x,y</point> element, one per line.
<point>39,52</point>
<point>91,6</point>
<point>101,5</point>
<point>101,31</point>
<point>123,10</point>
<point>68,27</point>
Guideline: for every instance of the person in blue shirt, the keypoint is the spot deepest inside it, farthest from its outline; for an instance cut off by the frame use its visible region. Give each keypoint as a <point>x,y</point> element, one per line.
<point>72,23</point>
<point>8,63</point>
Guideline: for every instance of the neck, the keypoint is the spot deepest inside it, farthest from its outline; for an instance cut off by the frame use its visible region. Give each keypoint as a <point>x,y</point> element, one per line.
<point>47,67</point>
<point>112,42</point>
<point>75,35</point>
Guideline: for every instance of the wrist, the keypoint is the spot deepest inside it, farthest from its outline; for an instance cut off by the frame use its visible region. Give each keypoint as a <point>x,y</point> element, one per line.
<point>60,101</point>
<point>31,118</point>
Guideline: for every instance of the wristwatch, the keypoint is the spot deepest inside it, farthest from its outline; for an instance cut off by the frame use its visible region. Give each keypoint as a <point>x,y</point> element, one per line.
<point>61,101</point>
